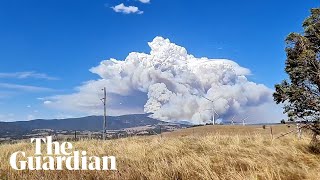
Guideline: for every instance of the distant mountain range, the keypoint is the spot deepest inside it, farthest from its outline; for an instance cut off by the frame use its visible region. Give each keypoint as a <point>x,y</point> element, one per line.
<point>90,123</point>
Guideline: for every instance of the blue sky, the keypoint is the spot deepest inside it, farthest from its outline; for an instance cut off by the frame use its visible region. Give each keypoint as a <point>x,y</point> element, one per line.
<point>48,46</point>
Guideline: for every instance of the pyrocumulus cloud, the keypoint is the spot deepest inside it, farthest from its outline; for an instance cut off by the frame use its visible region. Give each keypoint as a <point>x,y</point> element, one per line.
<point>169,83</point>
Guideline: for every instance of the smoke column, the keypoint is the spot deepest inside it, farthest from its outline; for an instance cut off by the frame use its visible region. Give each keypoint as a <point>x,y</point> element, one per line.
<point>169,83</point>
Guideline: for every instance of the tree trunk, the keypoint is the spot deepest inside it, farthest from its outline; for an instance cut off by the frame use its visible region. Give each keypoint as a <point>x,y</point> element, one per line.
<point>315,142</point>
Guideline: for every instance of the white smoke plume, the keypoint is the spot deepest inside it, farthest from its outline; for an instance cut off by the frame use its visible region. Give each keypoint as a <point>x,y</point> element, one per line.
<point>170,83</point>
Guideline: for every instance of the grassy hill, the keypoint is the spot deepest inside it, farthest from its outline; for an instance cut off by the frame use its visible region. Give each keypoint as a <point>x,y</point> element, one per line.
<point>208,152</point>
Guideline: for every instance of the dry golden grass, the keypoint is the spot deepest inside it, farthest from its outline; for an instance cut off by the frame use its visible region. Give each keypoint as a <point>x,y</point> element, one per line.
<point>232,130</point>
<point>198,154</point>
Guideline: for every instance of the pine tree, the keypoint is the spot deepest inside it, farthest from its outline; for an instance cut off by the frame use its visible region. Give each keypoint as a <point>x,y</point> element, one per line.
<point>301,93</point>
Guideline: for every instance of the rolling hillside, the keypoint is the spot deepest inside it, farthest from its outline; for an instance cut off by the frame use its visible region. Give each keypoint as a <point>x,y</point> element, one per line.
<point>90,123</point>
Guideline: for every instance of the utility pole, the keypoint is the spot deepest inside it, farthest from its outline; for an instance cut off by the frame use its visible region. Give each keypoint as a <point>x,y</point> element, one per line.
<point>104,101</point>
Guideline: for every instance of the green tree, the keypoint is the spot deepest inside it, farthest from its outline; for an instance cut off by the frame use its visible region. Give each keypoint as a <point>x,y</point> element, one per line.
<point>301,93</point>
